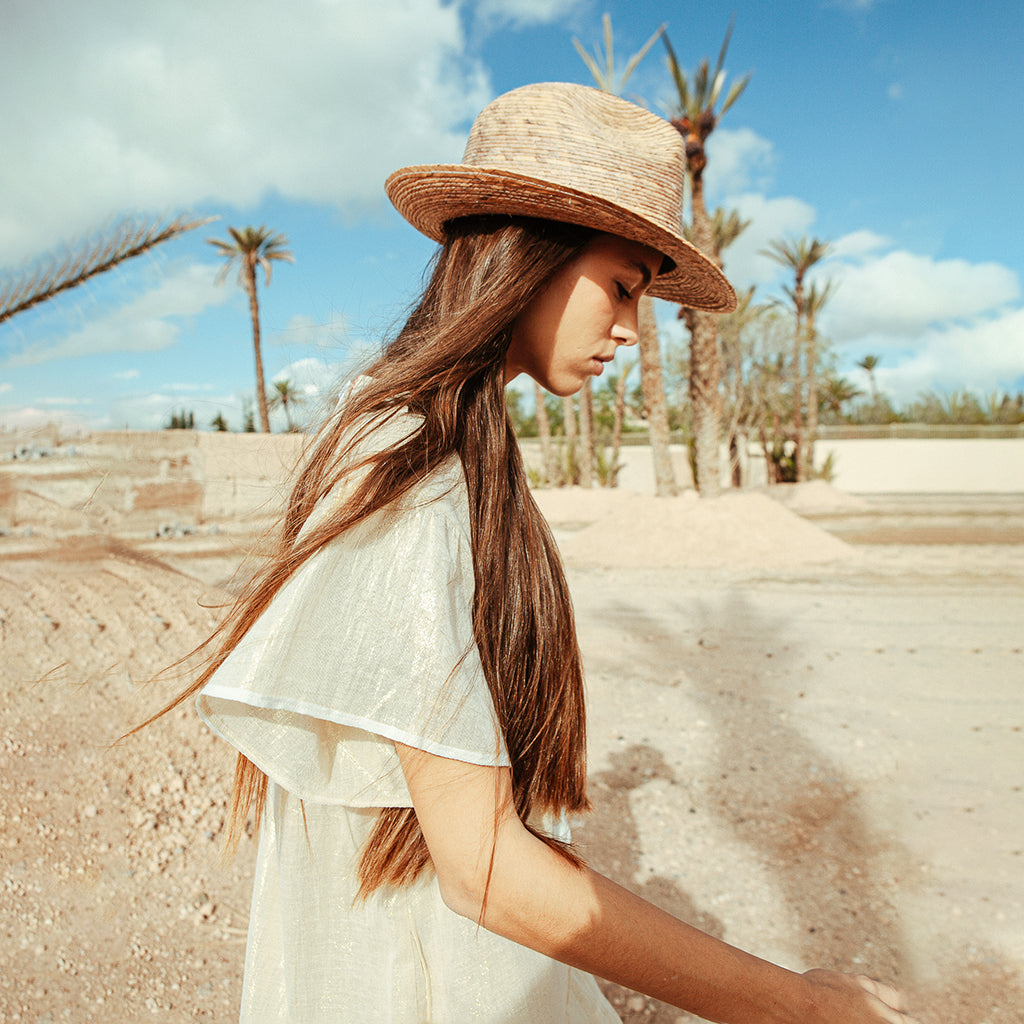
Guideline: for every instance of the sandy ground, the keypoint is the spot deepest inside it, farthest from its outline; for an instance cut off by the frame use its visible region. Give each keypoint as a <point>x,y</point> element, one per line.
<point>808,747</point>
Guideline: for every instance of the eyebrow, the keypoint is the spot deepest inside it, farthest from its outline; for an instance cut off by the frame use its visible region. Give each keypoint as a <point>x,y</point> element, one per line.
<point>645,271</point>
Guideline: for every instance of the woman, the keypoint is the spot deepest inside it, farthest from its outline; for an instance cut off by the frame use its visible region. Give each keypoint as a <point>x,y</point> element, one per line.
<point>402,680</point>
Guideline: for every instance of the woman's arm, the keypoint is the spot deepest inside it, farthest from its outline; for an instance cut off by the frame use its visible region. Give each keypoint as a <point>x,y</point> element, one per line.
<point>538,899</point>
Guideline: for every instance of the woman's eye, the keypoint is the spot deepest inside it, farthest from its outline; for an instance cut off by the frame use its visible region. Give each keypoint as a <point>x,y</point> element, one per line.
<point>623,291</point>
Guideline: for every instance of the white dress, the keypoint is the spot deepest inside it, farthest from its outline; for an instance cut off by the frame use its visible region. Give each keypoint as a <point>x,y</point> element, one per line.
<point>371,642</point>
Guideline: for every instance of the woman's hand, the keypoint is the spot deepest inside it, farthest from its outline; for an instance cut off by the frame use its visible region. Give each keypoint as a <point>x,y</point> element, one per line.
<point>855,998</point>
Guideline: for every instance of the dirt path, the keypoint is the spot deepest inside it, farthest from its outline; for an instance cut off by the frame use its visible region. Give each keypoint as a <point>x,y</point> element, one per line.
<point>820,764</point>
<point>824,770</point>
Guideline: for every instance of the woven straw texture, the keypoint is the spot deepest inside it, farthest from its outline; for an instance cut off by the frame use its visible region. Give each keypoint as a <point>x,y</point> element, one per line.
<point>574,154</point>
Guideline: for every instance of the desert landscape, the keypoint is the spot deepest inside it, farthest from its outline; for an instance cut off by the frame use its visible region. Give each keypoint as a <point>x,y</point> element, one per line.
<point>806,713</point>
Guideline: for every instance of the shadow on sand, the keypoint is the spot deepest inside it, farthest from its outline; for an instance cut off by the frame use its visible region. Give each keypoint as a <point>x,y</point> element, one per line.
<point>787,801</point>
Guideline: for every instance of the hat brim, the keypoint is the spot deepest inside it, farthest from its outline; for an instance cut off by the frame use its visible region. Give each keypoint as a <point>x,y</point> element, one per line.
<point>430,196</point>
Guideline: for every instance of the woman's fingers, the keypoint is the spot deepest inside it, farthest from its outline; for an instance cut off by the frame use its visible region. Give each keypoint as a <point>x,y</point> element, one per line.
<point>886,993</point>
<point>892,1000</point>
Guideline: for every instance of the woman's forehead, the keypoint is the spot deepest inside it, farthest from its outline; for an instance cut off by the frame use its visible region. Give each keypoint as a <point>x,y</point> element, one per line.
<point>635,254</point>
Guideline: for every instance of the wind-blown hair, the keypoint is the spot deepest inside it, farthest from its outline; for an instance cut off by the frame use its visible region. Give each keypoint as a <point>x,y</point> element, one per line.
<point>447,365</point>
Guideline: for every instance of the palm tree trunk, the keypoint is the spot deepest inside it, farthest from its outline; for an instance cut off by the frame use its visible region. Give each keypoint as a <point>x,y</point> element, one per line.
<point>705,369</point>
<point>811,431</point>
<point>798,386</point>
<point>618,418</point>
<point>706,402</point>
<point>586,435</point>
<point>569,426</point>
<point>547,453</point>
<point>254,312</point>
<point>655,405</point>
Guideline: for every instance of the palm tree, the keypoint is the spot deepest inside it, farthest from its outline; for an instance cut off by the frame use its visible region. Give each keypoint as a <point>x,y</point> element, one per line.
<point>286,395</point>
<point>726,227</point>
<point>817,296</point>
<point>618,419</point>
<point>653,387</point>
<point>868,364</point>
<point>571,452</point>
<point>656,408</point>
<point>798,255</point>
<point>251,248</point>
<point>547,453</point>
<point>588,446</point>
<point>836,392</point>
<point>57,274</point>
<point>732,329</point>
<point>700,107</point>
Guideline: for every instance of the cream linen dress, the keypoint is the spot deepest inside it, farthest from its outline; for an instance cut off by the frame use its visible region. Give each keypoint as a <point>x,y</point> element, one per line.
<point>369,643</point>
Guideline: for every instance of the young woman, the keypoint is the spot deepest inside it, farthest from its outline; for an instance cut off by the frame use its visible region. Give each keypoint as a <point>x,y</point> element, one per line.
<point>402,680</point>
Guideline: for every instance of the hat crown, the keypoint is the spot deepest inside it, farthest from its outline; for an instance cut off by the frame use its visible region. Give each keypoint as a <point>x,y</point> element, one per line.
<point>586,140</point>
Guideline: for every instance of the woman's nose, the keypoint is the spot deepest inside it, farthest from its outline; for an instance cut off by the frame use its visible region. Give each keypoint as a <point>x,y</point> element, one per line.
<point>627,330</point>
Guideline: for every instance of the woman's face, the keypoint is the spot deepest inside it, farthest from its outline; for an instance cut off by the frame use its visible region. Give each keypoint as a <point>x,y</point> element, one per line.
<point>577,322</point>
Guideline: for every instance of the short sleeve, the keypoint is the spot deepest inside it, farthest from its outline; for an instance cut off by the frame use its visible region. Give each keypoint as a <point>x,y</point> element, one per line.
<point>370,642</point>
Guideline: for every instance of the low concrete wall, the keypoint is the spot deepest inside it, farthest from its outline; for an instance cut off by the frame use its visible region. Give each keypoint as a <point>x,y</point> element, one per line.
<point>863,465</point>
<point>921,466</point>
<point>246,474</point>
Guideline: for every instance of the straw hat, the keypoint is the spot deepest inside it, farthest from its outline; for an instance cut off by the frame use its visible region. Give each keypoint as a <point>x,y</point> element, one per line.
<point>575,154</point>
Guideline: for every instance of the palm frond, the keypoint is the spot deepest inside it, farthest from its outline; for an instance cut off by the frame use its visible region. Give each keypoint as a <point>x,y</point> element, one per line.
<point>592,65</point>
<point>606,24</point>
<point>634,61</point>
<point>818,295</point>
<point>725,46</point>
<point>678,76</point>
<point>254,247</point>
<point>704,91</point>
<point>605,77</point>
<point>126,240</point>
<point>735,91</point>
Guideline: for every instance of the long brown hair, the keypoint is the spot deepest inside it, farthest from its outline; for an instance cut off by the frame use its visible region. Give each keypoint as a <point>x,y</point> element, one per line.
<point>447,365</point>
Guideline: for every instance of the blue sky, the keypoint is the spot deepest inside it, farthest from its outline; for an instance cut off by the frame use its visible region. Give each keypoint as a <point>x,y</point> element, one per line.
<point>891,128</point>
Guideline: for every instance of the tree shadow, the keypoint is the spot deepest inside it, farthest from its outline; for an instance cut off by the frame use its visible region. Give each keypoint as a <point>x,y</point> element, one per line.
<point>611,843</point>
<point>787,800</point>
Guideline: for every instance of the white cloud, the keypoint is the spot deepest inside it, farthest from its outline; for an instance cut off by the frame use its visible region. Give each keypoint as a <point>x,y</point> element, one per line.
<point>984,356</point>
<point>309,332</point>
<point>310,377</point>
<point>902,294</point>
<point>117,106</point>
<point>144,324</point>
<point>739,160</point>
<point>769,219</point>
<point>6,386</point>
<point>126,375</point>
<point>524,12</point>
<point>858,243</point>
<point>942,324</point>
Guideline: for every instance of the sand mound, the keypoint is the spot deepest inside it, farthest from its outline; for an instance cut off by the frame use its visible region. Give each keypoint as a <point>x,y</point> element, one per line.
<point>619,529</point>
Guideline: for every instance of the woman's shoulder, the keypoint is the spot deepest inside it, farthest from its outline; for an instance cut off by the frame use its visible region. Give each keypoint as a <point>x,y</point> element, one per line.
<point>440,490</point>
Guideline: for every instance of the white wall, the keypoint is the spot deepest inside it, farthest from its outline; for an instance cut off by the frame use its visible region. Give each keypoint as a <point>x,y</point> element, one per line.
<point>919,465</point>
<point>866,465</point>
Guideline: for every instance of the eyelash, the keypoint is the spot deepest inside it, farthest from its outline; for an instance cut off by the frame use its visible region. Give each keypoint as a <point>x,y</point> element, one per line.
<point>623,292</point>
